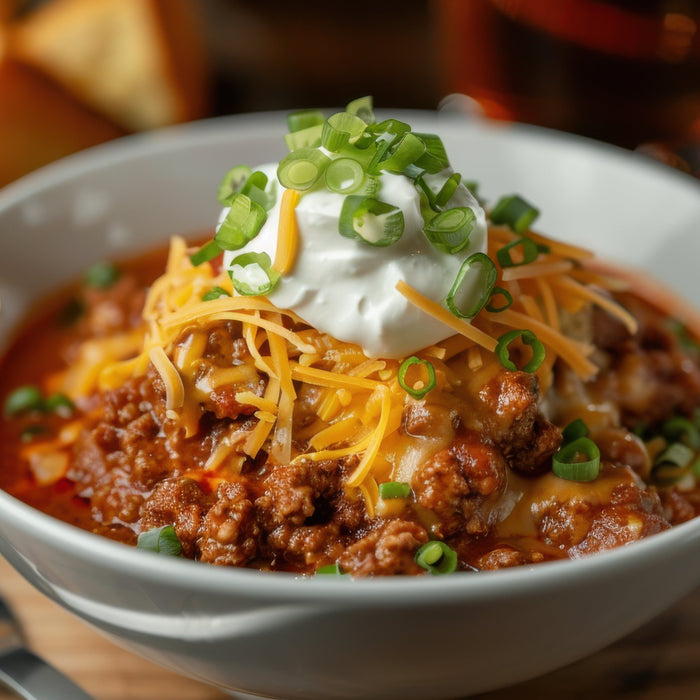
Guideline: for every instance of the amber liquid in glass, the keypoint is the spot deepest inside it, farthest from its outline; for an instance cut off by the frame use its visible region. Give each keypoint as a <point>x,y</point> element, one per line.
<point>626,71</point>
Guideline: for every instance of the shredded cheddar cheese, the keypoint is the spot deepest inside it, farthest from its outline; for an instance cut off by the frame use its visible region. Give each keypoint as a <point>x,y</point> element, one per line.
<point>288,234</point>
<point>356,404</point>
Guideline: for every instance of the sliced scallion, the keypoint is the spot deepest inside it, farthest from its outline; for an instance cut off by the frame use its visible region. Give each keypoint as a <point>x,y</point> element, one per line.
<point>450,230</point>
<point>304,138</point>
<point>345,176</point>
<point>232,183</point>
<point>243,222</point>
<point>495,293</point>
<point>362,107</point>
<point>527,338</point>
<point>513,211</point>
<point>215,293</point>
<point>341,128</point>
<point>527,247</point>
<point>394,489</point>
<point>574,430</point>
<point>24,399</point>
<point>301,169</point>
<point>416,389</point>
<point>578,460</point>
<point>330,570</point>
<point>437,558</point>
<point>162,540</point>
<point>303,119</point>
<point>206,253</point>
<point>435,157</point>
<point>101,275</point>
<point>252,274</point>
<point>370,220</point>
<point>472,287</point>
<point>679,428</point>
<point>59,404</point>
<point>676,454</point>
<point>405,152</point>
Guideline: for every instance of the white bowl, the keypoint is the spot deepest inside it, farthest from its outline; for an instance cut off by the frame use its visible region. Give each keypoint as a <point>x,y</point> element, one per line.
<point>281,636</point>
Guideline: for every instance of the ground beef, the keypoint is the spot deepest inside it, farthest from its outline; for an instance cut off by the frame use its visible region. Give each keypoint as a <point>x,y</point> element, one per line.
<point>510,417</point>
<point>480,454</point>
<point>229,534</point>
<point>387,550</point>
<point>579,526</point>
<point>505,557</point>
<point>179,502</point>
<point>456,483</point>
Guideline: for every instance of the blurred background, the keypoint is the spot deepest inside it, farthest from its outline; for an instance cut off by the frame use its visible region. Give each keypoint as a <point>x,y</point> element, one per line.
<point>74,73</point>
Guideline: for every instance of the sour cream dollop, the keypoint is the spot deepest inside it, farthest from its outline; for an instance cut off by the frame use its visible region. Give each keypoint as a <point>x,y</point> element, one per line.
<point>346,287</point>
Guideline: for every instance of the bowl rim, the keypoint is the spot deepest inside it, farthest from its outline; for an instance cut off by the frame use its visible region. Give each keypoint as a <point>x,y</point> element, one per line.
<point>379,590</point>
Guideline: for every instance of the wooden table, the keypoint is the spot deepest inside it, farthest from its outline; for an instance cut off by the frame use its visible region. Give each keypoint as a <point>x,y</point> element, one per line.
<point>661,661</point>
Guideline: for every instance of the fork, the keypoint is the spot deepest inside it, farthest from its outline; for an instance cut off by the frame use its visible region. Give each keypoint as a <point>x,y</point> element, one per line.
<point>27,674</point>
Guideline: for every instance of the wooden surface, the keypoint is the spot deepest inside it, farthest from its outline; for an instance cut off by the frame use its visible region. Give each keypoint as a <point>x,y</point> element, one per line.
<point>661,661</point>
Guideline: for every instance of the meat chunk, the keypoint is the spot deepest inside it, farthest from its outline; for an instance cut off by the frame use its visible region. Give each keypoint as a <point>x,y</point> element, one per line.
<point>504,557</point>
<point>228,533</point>
<point>179,502</point>
<point>613,511</point>
<point>388,550</point>
<point>511,419</point>
<point>456,483</point>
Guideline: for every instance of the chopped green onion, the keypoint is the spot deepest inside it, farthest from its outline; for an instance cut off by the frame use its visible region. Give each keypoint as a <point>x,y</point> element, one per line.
<point>513,211</point>
<point>389,131</point>
<point>252,274</point>
<point>162,540</point>
<point>206,253</point>
<point>438,189</point>
<point>330,569</point>
<point>370,220</point>
<point>255,187</point>
<point>435,157</point>
<point>574,430</point>
<point>32,431</point>
<point>450,230</point>
<point>413,172</point>
<point>305,138</point>
<point>300,170</point>
<point>579,460</point>
<point>215,293</point>
<point>341,128</point>
<point>437,558</point>
<point>676,454</point>
<point>232,182</point>
<point>243,222</point>
<point>101,275</point>
<point>256,179</point>
<point>675,462</point>
<point>529,250</point>
<point>497,308</point>
<point>363,108</point>
<point>528,338</point>
<point>681,429</point>
<point>345,176</point>
<point>472,287</point>
<point>416,390</point>
<point>394,489</point>
<point>303,119</point>
<point>406,151</point>
<point>23,400</point>
<point>447,190</point>
<point>60,404</point>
